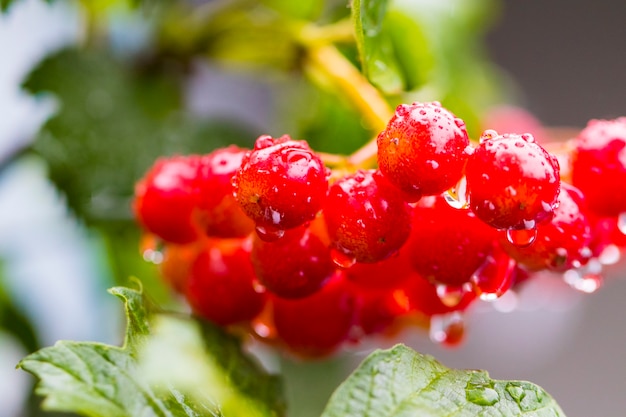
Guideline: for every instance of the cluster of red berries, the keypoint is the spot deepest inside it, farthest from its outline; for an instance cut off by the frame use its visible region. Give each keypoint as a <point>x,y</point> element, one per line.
<point>273,241</point>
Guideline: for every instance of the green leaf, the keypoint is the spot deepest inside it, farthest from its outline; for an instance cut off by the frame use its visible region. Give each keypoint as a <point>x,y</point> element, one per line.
<point>99,380</point>
<point>400,382</point>
<point>376,51</point>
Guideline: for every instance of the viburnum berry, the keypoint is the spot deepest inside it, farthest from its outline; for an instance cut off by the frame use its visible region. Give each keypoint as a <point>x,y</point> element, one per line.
<point>423,149</point>
<point>382,275</point>
<point>219,214</point>
<point>563,242</point>
<point>296,265</point>
<point>177,261</point>
<point>166,197</point>
<point>379,310</point>
<point>222,286</point>
<point>281,184</point>
<point>599,166</point>
<point>366,218</point>
<point>423,298</point>
<point>447,245</point>
<point>316,325</point>
<point>513,183</point>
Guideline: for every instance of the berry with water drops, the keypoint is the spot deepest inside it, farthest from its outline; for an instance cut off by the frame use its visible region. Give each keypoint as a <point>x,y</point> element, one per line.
<point>366,218</point>
<point>218,213</point>
<point>281,184</point>
<point>296,265</point>
<point>166,199</point>
<point>513,182</point>
<point>561,243</point>
<point>222,287</point>
<point>599,166</point>
<point>423,149</point>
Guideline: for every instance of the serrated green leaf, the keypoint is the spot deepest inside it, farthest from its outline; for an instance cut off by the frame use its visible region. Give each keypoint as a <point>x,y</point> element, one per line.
<point>400,382</point>
<point>376,51</point>
<point>99,380</point>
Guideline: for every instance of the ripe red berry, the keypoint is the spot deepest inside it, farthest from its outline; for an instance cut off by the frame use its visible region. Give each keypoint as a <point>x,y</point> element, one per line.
<point>423,149</point>
<point>281,184</point>
<point>316,325</point>
<point>384,275</point>
<point>366,218</point>
<point>563,242</point>
<point>423,298</point>
<point>219,213</point>
<point>599,166</point>
<point>447,246</point>
<point>222,286</point>
<point>379,310</point>
<point>296,265</point>
<point>165,199</point>
<point>512,181</point>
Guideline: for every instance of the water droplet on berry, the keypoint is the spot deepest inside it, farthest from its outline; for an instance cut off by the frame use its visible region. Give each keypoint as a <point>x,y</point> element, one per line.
<point>341,259</point>
<point>269,233</point>
<point>521,238</point>
<point>528,137</point>
<point>507,303</point>
<point>458,197</point>
<point>450,296</point>
<point>493,278</point>
<point>621,223</point>
<point>447,329</point>
<point>610,255</point>
<point>587,279</point>
<point>460,123</point>
<point>488,134</point>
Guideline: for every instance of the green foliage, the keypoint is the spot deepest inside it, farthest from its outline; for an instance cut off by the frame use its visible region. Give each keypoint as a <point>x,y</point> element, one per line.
<point>94,379</point>
<point>401,382</point>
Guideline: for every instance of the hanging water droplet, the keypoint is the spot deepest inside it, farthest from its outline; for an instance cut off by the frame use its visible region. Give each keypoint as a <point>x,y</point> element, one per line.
<point>494,277</point>
<point>269,233</point>
<point>587,279</point>
<point>487,134</point>
<point>621,223</point>
<point>521,238</point>
<point>450,296</point>
<point>457,197</point>
<point>610,255</point>
<point>341,259</point>
<point>507,303</point>
<point>447,329</point>
<point>480,390</point>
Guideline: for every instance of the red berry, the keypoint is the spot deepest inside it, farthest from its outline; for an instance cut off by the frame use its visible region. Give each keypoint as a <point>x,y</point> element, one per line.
<point>563,242</point>
<point>316,325</point>
<point>165,199</point>
<point>422,151</point>
<point>221,285</point>
<point>599,166</point>
<point>423,298</point>
<point>379,310</point>
<point>296,265</point>
<point>383,275</point>
<point>177,262</point>
<point>281,184</point>
<point>219,213</point>
<point>448,245</point>
<point>366,218</point>
<point>512,181</point>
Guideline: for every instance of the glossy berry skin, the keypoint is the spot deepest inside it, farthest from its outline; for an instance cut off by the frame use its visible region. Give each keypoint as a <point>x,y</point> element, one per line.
<point>366,218</point>
<point>423,149</point>
<point>165,199</point>
<point>281,184</point>
<point>448,245</point>
<point>219,214</point>
<point>513,182</point>
<point>423,299</point>
<point>561,244</point>
<point>384,275</point>
<point>222,286</point>
<point>318,324</point>
<point>295,266</point>
<point>599,166</point>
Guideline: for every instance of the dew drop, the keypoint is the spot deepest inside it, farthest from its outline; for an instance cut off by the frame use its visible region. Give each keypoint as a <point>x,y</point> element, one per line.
<point>458,197</point>
<point>515,391</point>
<point>153,256</point>
<point>584,280</point>
<point>459,123</point>
<point>621,223</point>
<point>521,238</point>
<point>488,134</point>
<point>341,259</point>
<point>450,296</point>
<point>610,255</point>
<point>494,277</point>
<point>528,137</point>
<point>269,233</point>
<point>447,329</point>
<point>507,303</point>
<point>480,390</point>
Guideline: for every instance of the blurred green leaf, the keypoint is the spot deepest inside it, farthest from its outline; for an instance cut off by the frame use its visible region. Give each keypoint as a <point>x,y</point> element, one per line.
<point>301,9</point>
<point>378,59</point>
<point>98,380</point>
<point>114,120</point>
<point>401,382</point>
